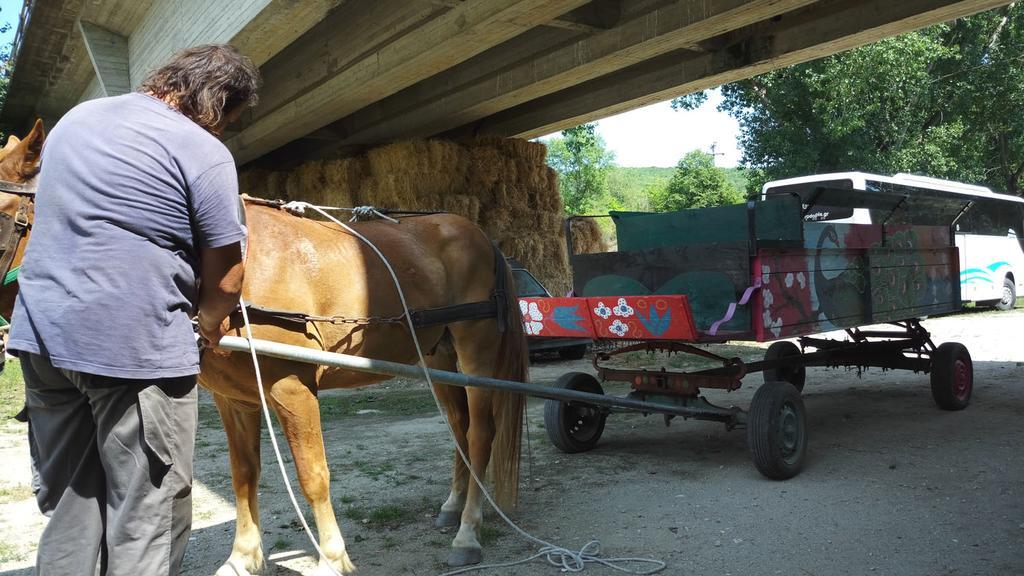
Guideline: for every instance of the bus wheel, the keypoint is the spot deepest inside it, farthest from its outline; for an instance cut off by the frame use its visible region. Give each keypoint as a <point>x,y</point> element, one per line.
<point>1009,299</point>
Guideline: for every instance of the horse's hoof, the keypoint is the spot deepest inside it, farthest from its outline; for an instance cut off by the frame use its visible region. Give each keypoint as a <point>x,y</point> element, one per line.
<point>465,556</point>
<point>233,568</point>
<point>447,519</point>
<point>343,566</point>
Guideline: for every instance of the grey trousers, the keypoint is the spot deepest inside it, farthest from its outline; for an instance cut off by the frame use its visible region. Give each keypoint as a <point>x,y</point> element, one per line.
<point>115,470</point>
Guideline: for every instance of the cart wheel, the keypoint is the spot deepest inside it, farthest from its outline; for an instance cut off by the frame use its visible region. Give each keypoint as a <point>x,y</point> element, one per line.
<point>952,376</point>
<point>795,375</point>
<point>777,430</point>
<point>575,427</point>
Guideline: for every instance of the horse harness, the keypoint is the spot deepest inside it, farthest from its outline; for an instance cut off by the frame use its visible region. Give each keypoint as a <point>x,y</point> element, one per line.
<point>14,229</point>
<point>495,307</point>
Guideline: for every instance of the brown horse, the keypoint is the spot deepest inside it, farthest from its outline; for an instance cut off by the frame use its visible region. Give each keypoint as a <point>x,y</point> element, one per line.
<point>19,165</point>
<point>308,266</point>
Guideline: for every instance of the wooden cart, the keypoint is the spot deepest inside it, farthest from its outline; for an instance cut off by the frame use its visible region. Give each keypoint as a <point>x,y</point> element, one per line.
<point>760,272</point>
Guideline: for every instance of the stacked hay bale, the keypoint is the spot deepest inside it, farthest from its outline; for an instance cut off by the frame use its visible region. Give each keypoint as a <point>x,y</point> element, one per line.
<point>504,185</point>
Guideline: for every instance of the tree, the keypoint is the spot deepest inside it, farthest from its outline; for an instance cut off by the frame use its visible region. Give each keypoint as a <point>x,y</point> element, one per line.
<point>696,183</point>
<point>583,163</point>
<point>944,101</point>
<point>6,66</point>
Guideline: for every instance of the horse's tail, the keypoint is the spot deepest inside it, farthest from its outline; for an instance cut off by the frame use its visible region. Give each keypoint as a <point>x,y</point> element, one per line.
<point>512,363</point>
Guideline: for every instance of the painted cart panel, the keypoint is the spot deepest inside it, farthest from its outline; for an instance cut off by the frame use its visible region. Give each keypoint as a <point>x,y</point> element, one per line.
<point>626,317</point>
<point>804,277</point>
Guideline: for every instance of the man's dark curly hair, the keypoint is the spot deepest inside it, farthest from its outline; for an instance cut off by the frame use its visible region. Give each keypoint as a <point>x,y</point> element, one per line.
<point>206,82</point>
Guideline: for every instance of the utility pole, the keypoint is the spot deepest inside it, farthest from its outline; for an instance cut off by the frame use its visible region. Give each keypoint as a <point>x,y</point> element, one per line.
<point>714,146</point>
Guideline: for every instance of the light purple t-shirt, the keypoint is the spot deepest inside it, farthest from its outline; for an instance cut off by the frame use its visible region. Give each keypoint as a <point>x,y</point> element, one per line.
<point>130,189</point>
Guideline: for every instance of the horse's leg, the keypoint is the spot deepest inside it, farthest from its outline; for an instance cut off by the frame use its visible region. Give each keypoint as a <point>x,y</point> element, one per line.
<point>242,425</point>
<point>456,407</point>
<point>299,413</point>
<point>475,345</point>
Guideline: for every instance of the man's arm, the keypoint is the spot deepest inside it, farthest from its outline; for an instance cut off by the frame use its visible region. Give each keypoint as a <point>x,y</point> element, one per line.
<point>220,284</point>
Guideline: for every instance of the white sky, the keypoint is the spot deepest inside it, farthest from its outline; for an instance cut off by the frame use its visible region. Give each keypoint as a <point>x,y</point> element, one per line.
<point>657,135</point>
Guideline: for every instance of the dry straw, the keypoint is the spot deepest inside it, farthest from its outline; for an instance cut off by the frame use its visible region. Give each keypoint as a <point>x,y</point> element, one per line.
<point>504,185</point>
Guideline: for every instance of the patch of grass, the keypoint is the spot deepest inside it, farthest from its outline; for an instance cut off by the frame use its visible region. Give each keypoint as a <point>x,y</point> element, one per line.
<point>12,390</point>
<point>355,513</point>
<point>391,516</point>
<point>347,499</point>
<point>392,402</point>
<point>10,553</point>
<point>389,543</point>
<point>374,471</point>
<point>282,544</point>
<point>489,535</point>
<point>388,516</point>
<point>14,493</point>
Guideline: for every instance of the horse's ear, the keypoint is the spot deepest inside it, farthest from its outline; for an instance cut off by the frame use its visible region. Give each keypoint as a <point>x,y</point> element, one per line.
<point>12,141</point>
<point>29,150</point>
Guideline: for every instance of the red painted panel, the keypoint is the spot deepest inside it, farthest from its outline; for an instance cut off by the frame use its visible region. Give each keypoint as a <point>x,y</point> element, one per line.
<point>556,317</point>
<point>652,317</point>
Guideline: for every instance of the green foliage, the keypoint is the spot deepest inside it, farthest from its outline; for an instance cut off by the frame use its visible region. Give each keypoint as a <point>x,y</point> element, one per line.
<point>583,163</point>
<point>696,183</point>
<point>631,189</point>
<point>738,177</point>
<point>12,391</point>
<point>944,101</point>
<point>6,65</point>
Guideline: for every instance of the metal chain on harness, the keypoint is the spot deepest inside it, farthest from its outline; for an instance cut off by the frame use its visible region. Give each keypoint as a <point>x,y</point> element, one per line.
<point>361,321</point>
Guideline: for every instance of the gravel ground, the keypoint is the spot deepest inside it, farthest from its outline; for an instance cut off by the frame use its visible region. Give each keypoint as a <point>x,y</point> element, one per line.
<point>892,485</point>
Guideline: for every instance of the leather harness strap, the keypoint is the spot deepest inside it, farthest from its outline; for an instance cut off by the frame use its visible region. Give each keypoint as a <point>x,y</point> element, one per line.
<point>495,307</point>
<point>13,229</point>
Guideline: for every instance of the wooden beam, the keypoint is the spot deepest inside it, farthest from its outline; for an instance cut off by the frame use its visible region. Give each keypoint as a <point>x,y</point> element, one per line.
<point>108,53</point>
<point>279,24</point>
<point>432,107</point>
<point>597,14</point>
<point>350,34</point>
<point>812,33</point>
<point>450,38</point>
<point>592,17</point>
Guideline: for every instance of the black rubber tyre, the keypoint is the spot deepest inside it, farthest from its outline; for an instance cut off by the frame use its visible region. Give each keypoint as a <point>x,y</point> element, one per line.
<point>952,376</point>
<point>1009,299</point>
<point>573,352</point>
<point>575,428</point>
<point>777,430</point>
<point>795,375</point>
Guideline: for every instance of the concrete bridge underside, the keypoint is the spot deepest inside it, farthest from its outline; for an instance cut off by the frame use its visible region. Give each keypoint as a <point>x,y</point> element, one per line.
<point>344,74</point>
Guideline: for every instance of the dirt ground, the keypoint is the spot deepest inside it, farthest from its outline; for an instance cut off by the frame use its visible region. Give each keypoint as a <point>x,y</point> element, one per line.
<point>892,485</point>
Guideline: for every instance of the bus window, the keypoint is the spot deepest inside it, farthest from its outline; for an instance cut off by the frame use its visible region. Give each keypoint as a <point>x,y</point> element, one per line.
<point>920,206</point>
<point>991,218</point>
<point>806,192</point>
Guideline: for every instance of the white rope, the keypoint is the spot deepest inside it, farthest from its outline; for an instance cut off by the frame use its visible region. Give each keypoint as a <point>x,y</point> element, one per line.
<point>563,558</point>
<point>273,438</point>
<point>358,213</point>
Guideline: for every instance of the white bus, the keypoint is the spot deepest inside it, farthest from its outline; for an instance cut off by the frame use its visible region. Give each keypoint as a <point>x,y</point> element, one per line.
<point>989,233</point>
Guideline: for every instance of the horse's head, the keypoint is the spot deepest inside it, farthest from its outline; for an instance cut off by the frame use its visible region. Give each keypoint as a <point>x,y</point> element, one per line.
<point>19,158</point>
<point>19,166</point>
